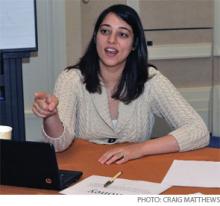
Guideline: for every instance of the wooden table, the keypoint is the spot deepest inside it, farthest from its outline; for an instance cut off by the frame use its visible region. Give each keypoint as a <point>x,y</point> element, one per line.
<point>83,156</point>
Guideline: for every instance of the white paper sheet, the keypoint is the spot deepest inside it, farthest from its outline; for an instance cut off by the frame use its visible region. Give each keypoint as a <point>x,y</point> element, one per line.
<point>193,173</point>
<point>94,185</point>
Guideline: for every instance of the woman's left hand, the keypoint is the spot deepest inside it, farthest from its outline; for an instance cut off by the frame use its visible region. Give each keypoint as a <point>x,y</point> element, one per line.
<point>122,154</point>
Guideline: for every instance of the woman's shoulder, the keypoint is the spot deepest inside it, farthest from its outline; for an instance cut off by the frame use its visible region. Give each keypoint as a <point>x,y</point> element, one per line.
<point>73,75</point>
<point>158,82</point>
<point>152,72</point>
<point>155,77</point>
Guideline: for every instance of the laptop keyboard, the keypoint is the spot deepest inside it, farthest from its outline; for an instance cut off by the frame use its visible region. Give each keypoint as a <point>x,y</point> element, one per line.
<point>65,176</point>
<point>68,177</point>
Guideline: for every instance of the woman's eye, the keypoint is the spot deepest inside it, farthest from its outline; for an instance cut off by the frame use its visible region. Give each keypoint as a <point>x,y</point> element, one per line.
<point>104,31</point>
<point>123,35</point>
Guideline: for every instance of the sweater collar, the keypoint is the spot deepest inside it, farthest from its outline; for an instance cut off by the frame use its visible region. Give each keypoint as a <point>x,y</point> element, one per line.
<point>125,112</point>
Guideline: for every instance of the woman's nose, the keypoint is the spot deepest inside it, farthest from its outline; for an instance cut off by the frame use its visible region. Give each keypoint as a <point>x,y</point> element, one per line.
<point>112,38</point>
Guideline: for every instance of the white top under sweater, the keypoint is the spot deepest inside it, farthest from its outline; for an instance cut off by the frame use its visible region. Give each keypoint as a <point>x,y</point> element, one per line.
<point>86,115</point>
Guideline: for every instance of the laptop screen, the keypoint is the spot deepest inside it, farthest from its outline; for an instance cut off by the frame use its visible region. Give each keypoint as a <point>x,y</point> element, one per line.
<point>31,164</point>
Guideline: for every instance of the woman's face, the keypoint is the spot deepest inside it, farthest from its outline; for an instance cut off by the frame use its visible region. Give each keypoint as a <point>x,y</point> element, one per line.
<point>114,42</point>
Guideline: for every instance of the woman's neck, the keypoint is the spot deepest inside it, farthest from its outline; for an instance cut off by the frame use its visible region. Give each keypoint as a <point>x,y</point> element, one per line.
<point>110,76</point>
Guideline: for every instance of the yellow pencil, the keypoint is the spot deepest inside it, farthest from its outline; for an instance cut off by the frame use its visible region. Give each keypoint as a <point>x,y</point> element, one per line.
<point>112,179</point>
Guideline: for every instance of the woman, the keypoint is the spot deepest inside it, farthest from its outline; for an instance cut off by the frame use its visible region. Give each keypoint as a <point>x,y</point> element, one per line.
<point>113,95</point>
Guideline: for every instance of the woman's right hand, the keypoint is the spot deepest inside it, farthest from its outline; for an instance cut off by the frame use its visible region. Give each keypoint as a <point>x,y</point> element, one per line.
<point>44,105</point>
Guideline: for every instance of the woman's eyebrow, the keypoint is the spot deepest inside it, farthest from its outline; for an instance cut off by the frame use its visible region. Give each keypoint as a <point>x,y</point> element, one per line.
<point>105,25</point>
<point>121,27</point>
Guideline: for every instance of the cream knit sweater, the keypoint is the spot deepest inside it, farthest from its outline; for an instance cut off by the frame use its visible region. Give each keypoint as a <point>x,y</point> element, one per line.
<point>87,116</point>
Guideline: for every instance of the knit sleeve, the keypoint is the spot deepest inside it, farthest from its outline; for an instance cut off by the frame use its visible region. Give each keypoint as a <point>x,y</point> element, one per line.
<point>66,88</point>
<point>189,129</point>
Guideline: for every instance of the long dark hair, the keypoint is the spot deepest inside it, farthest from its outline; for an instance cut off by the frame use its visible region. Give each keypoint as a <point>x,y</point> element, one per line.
<point>135,73</point>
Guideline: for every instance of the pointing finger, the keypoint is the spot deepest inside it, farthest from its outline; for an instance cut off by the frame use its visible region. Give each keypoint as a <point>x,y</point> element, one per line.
<point>40,96</point>
<point>52,102</point>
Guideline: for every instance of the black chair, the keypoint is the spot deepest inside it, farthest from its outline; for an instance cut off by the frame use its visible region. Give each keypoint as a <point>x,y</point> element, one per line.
<point>214,141</point>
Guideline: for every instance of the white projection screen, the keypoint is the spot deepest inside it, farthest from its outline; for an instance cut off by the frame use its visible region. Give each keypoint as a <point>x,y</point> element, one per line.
<point>18,25</point>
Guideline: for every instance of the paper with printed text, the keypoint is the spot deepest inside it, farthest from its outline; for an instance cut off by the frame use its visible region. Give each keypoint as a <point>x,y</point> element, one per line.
<point>94,185</point>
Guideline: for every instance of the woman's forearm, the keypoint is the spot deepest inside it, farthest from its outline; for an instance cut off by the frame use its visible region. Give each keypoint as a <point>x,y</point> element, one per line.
<point>119,155</point>
<point>53,126</point>
<point>165,144</point>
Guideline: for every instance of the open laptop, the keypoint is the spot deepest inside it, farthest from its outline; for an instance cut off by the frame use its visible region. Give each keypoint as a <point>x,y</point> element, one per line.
<point>33,164</point>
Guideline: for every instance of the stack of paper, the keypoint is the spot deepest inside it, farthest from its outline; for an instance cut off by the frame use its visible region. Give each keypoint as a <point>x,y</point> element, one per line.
<point>94,185</point>
<point>194,174</point>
